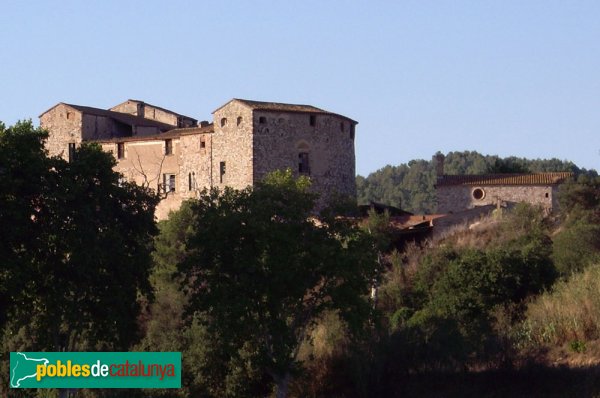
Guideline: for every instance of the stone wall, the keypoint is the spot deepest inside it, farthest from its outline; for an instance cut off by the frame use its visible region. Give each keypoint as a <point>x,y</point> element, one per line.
<point>232,143</point>
<point>248,143</point>
<point>151,112</point>
<point>145,163</point>
<point>99,127</point>
<point>279,138</point>
<point>455,198</point>
<point>195,164</point>
<point>65,125</point>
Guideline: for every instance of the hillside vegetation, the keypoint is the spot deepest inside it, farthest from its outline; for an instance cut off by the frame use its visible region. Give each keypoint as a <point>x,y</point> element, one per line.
<point>410,186</point>
<point>265,300</point>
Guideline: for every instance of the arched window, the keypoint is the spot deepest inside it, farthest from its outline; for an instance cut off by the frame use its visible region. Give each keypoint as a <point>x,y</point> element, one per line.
<point>239,120</point>
<point>223,122</point>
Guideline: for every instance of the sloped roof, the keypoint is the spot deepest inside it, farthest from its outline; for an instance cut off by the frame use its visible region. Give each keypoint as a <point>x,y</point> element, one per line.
<point>277,106</point>
<point>283,107</point>
<point>154,106</point>
<point>124,118</point>
<point>174,133</point>
<point>553,178</point>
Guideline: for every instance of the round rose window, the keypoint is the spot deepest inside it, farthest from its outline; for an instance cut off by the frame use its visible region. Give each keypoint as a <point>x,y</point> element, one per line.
<point>478,194</point>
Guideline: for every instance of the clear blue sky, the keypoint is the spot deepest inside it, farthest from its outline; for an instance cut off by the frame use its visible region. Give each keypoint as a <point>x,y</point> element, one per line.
<point>501,77</point>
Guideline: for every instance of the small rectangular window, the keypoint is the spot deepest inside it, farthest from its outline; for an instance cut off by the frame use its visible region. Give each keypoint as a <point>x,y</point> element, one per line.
<point>303,165</point>
<point>120,150</point>
<point>190,182</point>
<point>71,151</point>
<point>262,120</point>
<point>202,143</point>
<point>168,183</point>
<point>221,172</point>
<point>168,147</point>
<point>313,120</point>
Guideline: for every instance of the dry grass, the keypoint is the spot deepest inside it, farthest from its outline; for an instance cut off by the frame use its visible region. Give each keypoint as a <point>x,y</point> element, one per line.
<point>569,314</point>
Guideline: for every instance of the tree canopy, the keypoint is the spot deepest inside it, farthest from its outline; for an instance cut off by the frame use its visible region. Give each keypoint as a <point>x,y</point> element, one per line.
<point>410,186</point>
<point>261,270</point>
<point>76,244</point>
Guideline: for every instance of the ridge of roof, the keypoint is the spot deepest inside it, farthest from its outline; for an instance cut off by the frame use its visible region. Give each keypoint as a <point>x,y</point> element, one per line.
<point>157,107</point>
<point>264,105</point>
<point>282,107</point>
<point>546,178</point>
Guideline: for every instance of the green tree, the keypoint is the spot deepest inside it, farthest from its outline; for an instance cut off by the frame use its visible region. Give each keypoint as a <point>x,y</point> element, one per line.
<point>411,185</point>
<point>458,291</point>
<point>577,243</point>
<point>23,172</point>
<point>77,253</point>
<point>261,271</point>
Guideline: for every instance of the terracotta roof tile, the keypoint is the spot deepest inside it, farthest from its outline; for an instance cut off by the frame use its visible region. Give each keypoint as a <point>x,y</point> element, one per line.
<point>505,179</point>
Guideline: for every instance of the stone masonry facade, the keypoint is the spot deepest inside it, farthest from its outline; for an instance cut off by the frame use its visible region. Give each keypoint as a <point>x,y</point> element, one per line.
<point>171,153</point>
<point>456,198</point>
<point>458,193</point>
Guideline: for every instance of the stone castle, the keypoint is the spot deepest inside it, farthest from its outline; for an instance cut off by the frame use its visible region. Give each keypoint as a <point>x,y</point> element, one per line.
<point>179,156</point>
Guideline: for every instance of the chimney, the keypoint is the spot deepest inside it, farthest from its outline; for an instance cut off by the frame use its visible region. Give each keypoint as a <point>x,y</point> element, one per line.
<point>439,164</point>
<point>140,109</point>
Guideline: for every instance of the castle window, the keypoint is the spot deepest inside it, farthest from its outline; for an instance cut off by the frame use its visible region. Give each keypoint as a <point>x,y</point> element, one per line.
<point>120,150</point>
<point>262,120</point>
<point>351,131</point>
<point>547,194</point>
<point>69,115</point>
<point>191,181</point>
<point>342,127</point>
<point>313,120</point>
<point>169,183</point>
<point>478,194</point>
<point>71,151</point>
<point>303,165</point>
<point>221,172</point>
<point>223,122</point>
<point>168,147</point>
<point>239,120</point>
<point>202,143</point>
